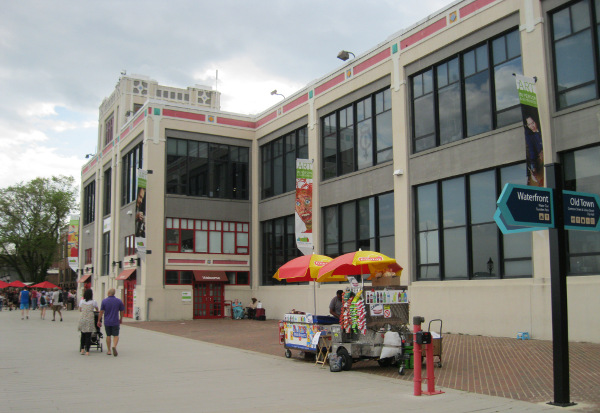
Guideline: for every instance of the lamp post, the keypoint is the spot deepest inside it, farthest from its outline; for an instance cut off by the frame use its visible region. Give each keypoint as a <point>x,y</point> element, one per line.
<point>490,265</point>
<point>345,55</point>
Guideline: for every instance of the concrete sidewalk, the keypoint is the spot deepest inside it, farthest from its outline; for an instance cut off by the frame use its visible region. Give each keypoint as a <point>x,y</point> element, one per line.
<point>41,368</point>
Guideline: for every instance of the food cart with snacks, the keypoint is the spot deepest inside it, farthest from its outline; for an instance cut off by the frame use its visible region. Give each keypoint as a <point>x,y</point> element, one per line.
<point>304,332</point>
<point>374,324</point>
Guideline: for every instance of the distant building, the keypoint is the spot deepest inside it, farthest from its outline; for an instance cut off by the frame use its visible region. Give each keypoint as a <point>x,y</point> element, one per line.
<point>412,143</point>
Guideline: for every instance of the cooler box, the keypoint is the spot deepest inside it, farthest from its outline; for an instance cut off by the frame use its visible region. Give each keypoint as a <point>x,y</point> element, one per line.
<point>260,314</point>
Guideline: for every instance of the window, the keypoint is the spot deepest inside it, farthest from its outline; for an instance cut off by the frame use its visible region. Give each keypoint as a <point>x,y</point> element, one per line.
<point>178,277</point>
<point>366,224</point>
<point>575,46</point>
<point>205,236</point>
<point>207,169</point>
<point>89,203</point>
<point>357,136</point>
<point>582,174</point>
<point>278,159</point>
<point>132,161</point>
<point>109,126</point>
<point>238,277</point>
<point>88,256</point>
<point>105,265</point>
<point>470,93</point>
<point>129,245</point>
<point>278,247</point>
<point>106,207</point>
<point>456,235</point>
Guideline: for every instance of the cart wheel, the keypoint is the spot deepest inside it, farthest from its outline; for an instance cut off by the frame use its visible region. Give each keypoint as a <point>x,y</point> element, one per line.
<point>386,362</point>
<point>288,353</point>
<point>401,370</point>
<point>346,359</point>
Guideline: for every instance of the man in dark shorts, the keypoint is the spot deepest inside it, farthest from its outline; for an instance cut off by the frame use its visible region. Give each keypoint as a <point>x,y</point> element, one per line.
<point>112,308</point>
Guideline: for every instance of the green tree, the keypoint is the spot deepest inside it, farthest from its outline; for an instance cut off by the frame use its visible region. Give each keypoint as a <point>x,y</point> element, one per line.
<point>31,215</point>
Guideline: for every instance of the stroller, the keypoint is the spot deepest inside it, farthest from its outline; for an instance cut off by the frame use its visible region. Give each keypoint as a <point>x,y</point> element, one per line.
<point>97,336</point>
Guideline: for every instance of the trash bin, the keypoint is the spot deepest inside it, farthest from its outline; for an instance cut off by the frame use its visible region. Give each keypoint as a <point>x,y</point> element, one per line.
<point>69,306</point>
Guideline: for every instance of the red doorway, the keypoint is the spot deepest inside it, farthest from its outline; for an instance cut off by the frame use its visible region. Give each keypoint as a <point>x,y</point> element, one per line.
<point>208,300</point>
<point>129,287</point>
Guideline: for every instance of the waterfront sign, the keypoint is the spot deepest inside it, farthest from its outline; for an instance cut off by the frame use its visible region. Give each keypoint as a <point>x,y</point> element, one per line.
<point>525,206</point>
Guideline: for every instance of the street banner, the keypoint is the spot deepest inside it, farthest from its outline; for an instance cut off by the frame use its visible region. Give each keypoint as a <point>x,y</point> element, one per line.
<point>534,148</point>
<point>73,243</point>
<point>140,214</point>
<point>303,215</point>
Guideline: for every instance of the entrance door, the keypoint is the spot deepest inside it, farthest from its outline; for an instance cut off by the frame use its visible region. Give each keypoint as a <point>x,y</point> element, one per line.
<point>208,300</point>
<point>129,287</point>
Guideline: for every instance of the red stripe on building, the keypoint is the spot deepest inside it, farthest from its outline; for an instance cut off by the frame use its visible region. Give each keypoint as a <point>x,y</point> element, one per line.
<point>473,7</point>
<point>236,122</point>
<point>329,84</point>
<point>138,120</point>
<point>107,148</point>
<point>384,54</point>
<point>125,132</point>
<point>185,261</point>
<point>420,35</point>
<point>230,262</point>
<point>266,119</point>
<point>297,102</point>
<point>184,115</point>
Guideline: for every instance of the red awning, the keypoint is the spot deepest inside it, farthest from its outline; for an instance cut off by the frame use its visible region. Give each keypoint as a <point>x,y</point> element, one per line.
<point>125,274</point>
<point>84,278</point>
<point>210,276</point>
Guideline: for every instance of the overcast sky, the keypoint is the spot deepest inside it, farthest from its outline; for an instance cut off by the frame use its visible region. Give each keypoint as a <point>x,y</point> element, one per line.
<point>59,60</point>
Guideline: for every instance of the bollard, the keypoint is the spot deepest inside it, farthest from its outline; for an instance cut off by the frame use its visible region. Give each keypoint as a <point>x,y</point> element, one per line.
<point>417,320</point>
<point>425,338</point>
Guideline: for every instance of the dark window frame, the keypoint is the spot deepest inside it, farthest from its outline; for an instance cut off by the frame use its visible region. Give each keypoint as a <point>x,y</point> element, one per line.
<point>236,276</point>
<point>181,280</point>
<point>344,121</point>
<point>498,267</point>
<point>107,201</point>
<point>436,90</point>
<point>105,267</point>
<point>89,203</point>
<point>278,247</point>
<point>223,169</point>
<point>292,146</point>
<point>131,162</point>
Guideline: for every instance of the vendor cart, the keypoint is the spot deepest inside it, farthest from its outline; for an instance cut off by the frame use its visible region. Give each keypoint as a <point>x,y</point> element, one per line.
<point>385,328</point>
<point>301,332</point>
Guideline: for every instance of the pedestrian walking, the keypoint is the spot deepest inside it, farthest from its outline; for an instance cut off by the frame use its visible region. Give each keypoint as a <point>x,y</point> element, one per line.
<point>34,299</point>
<point>57,304</point>
<point>86,321</point>
<point>43,304</point>
<point>112,309</point>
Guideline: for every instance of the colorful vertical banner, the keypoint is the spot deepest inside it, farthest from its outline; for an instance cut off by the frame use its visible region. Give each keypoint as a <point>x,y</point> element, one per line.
<point>534,148</point>
<point>140,213</point>
<point>73,243</point>
<point>303,216</point>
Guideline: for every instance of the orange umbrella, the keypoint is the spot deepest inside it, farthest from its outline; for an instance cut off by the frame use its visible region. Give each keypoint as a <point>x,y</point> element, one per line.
<point>301,269</point>
<point>359,263</point>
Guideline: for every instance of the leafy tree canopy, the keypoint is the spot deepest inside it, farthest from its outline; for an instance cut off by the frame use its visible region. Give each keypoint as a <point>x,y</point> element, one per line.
<point>31,215</point>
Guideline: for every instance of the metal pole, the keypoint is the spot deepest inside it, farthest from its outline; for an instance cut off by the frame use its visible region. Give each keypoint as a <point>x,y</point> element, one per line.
<point>558,283</point>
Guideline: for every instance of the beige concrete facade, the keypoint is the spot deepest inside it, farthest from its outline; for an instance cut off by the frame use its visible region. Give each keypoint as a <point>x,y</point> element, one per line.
<point>496,307</point>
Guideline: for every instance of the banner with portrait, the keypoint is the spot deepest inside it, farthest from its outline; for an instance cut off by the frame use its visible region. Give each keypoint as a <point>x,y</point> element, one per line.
<point>303,207</point>
<point>534,147</point>
<point>73,243</point>
<point>140,213</point>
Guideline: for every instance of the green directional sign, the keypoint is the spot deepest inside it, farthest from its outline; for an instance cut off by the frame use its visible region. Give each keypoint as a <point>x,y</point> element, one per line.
<point>525,206</point>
